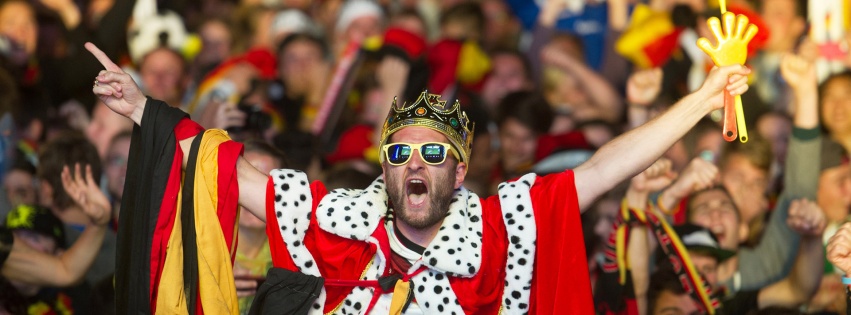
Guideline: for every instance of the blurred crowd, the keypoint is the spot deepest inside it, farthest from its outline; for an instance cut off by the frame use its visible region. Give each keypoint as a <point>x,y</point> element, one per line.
<point>307,85</point>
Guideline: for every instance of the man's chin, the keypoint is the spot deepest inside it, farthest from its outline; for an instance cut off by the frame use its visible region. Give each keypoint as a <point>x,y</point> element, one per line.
<point>417,219</point>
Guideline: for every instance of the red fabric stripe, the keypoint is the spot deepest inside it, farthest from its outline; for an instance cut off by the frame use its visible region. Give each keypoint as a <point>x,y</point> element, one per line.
<point>186,128</point>
<point>165,223</point>
<point>280,255</point>
<point>352,283</point>
<point>228,191</point>
<point>561,270</point>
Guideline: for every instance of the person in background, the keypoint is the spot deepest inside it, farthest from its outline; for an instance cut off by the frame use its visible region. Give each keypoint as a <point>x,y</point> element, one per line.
<point>20,185</point>
<point>714,209</point>
<point>510,73</point>
<point>357,20</point>
<point>787,22</point>
<point>115,168</point>
<point>744,170</point>
<point>165,75</point>
<point>216,44</point>
<point>105,125</point>
<point>72,149</point>
<point>303,67</point>
<point>522,118</point>
<point>666,293</point>
<point>33,258</point>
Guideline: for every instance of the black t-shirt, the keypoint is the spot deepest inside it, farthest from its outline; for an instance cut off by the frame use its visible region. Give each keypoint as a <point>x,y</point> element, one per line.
<point>741,303</point>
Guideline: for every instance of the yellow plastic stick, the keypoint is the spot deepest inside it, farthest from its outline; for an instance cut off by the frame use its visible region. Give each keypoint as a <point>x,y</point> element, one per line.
<point>723,5</point>
<point>740,120</point>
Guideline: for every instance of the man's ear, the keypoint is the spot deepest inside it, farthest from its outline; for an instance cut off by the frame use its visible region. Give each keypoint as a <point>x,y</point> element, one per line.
<point>744,230</point>
<point>460,173</point>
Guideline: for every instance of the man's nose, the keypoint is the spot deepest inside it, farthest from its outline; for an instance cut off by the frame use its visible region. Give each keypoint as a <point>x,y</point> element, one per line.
<point>416,161</point>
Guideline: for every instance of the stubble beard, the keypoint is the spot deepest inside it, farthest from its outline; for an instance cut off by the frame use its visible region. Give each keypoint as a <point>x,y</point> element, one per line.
<point>440,192</point>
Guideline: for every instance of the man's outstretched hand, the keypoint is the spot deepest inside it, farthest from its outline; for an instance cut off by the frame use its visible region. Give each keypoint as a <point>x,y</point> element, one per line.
<point>116,88</point>
<point>733,78</point>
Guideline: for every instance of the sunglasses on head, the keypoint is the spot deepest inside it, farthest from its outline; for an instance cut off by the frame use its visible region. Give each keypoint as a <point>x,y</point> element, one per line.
<point>432,153</point>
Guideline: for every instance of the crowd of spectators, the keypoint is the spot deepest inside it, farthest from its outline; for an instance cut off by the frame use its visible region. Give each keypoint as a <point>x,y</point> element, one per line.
<point>307,85</point>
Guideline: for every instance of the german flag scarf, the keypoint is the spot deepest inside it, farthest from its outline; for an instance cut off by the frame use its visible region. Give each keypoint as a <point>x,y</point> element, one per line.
<point>619,296</point>
<point>177,229</point>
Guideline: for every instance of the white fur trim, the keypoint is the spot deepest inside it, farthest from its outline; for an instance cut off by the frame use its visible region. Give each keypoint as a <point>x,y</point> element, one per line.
<point>353,213</point>
<point>434,294</point>
<point>457,247</point>
<point>521,230</point>
<point>293,204</point>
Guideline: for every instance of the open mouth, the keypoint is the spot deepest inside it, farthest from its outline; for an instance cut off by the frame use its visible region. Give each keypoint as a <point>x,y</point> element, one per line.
<point>417,191</point>
<point>719,236</point>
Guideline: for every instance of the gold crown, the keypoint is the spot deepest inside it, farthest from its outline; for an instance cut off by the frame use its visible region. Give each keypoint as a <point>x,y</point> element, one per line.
<point>430,112</point>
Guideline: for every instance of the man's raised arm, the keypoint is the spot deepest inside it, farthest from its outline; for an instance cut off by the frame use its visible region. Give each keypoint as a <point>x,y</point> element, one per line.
<point>635,150</point>
<point>119,92</point>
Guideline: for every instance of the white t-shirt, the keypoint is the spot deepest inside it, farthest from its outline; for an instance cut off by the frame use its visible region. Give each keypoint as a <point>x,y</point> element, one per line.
<point>382,306</point>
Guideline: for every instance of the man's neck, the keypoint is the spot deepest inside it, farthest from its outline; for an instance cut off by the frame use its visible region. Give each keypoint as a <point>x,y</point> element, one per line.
<point>251,241</point>
<point>420,237</point>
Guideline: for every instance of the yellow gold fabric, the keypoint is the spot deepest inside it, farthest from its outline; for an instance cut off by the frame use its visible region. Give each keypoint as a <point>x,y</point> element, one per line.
<point>215,271</point>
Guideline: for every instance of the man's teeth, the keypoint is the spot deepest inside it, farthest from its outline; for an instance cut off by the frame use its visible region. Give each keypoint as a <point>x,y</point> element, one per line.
<point>416,181</point>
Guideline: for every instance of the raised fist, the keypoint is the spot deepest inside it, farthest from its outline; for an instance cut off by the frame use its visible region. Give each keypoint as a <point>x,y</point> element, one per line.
<point>839,248</point>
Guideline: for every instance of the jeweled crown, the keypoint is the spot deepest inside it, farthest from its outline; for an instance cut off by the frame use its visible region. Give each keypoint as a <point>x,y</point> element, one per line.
<point>431,112</point>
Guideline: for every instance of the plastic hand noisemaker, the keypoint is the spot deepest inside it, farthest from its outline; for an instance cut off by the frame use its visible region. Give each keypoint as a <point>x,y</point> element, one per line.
<point>732,49</point>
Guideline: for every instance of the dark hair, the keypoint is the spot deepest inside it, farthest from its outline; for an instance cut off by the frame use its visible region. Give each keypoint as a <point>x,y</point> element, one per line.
<point>529,108</point>
<point>527,66</point>
<point>664,279</point>
<point>757,151</point>
<point>465,12</point>
<point>312,39</point>
<point>66,149</point>
<point>263,147</point>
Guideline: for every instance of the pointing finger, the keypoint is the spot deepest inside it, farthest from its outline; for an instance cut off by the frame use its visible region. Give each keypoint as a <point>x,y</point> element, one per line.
<point>102,58</point>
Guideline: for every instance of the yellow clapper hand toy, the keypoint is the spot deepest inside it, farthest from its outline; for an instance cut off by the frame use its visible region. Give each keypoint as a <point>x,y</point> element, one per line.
<point>732,49</point>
